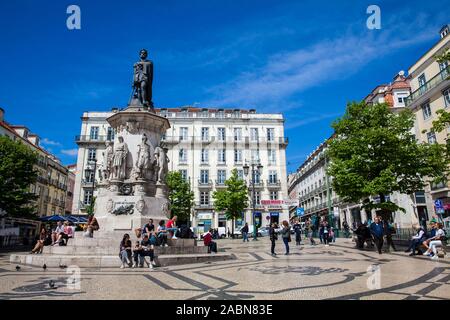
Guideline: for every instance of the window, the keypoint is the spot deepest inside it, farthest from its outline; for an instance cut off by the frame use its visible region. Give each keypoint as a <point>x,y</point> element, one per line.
<point>237,156</point>
<point>183,134</point>
<point>92,154</point>
<point>426,110</point>
<point>255,155</point>
<point>221,134</point>
<point>422,83</point>
<point>205,134</point>
<point>431,137</point>
<point>256,177</point>
<point>237,134</point>
<point>270,134</point>
<point>273,195</point>
<point>446,95</point>
<point>204,176</point>
<point>254,134</point>
<point>89,176</point>
<point>221,176</point>
<point>257,198</point>
<point>87,197</point>
<point>182,155</point>
<point>240,174</point>
<point>220,114</point>
<point>110,134</point>
<point>272,156</point>
<point>273,177</point>
<point>94,133</point>
<point>184,174</point>
<point>221,158</point>
<point>420,197</point>
<point>444,69</point>
<point>204,198</point>
<point>205,156</point>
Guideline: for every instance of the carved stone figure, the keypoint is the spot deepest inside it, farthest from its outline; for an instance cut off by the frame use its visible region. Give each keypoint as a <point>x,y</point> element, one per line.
<point>143,80</point>
<point>140,205</point>
<point>108,160</point>
<point>109,206</point>
<point>120,160</point>
<point>143,161</point>
<point>161,164</point>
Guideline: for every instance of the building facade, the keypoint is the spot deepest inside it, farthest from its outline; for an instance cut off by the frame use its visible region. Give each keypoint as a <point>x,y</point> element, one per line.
<point>51,184</point>
<point>313,187</point>
<point>430,92</point>
<point>205,145</point>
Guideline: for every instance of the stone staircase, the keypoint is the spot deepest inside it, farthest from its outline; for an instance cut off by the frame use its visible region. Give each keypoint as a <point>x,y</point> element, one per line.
<point>102,252</point>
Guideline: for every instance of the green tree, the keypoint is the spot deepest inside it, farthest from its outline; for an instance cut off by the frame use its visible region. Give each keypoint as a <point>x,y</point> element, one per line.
<point>17,174</point>
<point>233,199</point>
<point>180,196</point>
<point>374,153</point>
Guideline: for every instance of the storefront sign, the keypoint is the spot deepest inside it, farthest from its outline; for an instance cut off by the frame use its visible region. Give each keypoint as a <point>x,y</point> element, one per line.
<point>204,216</point>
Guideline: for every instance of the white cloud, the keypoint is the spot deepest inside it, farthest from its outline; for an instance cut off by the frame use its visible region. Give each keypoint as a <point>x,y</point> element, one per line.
<point>49,142</point>
<point>287,73</point>
<point>309,119</point>
<point>70,152</point>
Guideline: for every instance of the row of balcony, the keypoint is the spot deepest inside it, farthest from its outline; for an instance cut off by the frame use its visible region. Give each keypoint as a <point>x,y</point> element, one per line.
<point>313,192</point>
<point>54,201</point>
<point>89,138</point>
<point>206,140</point>
<point>258,184</point>
<point>53,182</point>
<point>429,85</point>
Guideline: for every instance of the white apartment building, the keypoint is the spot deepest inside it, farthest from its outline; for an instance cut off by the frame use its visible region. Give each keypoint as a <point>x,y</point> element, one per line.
<point>430,92</point>
<point>205,145</point>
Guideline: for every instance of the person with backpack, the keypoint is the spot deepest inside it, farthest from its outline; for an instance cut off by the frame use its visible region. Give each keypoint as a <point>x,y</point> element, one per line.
<point>207,240</point>
<point>273,237</point>
<point>244,231</point>
<point>298,233</point>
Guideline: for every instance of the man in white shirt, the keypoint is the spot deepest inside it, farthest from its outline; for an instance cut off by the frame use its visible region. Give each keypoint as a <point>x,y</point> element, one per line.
<point>416,240</point>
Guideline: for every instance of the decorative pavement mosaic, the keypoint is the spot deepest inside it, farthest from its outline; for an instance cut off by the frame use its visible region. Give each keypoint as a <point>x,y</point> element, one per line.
<point>339,271</point>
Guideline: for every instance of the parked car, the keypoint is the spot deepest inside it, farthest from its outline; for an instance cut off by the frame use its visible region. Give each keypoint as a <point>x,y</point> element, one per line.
<point>222,233</point>
<point>263,232</point>
<point>238,233</point>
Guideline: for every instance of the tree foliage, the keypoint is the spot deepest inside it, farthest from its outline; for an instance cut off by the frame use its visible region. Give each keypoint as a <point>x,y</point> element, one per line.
<point>181,196</point>
<point>17,174</point>
<point>233,199</point>
<point>374,153</point>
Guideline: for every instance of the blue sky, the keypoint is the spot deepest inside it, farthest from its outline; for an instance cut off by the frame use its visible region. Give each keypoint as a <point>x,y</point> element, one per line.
<point>306,59</point>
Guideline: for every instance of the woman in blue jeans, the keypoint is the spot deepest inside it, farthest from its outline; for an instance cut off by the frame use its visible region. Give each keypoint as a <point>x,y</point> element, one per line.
<point>286,235</point>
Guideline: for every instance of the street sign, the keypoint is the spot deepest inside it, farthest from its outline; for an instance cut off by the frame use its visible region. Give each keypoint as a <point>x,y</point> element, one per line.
<point>300,211</point>
<point>438,204</point>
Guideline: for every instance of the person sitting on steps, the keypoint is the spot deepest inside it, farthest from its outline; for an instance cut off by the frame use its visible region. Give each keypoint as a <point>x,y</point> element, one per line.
<point>162,234</point>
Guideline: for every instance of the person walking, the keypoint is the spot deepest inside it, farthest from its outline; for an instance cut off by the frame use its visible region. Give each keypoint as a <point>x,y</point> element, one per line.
<point>346,229</point>
<point>389,230</point>
<point>377,231</point>
<point>298,233</point>
<point>273,237</point>
<point>310,231</point>
<point>321,232</point>
<point>286,235</point>
<point>244,231</point>
<point>325,231</point>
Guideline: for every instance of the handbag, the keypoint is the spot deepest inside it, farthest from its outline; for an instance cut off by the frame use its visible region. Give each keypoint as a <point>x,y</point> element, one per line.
<point>289,238</point>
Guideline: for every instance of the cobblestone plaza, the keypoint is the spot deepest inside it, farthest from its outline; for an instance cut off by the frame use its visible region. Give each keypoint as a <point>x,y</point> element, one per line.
<point>339,271</point>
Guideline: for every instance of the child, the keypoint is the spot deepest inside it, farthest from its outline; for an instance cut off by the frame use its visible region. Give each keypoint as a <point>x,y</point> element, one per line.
<point>137,253</point>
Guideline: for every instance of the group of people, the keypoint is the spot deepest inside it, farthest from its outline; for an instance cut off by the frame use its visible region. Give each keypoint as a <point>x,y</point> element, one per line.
<point>429,240</point>
<point>134,256</point>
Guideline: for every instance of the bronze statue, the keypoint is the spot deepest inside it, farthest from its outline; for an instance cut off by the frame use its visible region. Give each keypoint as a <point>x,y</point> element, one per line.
<point>143,80</point>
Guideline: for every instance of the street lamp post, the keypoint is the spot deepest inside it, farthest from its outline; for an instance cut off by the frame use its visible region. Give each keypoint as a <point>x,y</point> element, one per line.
<point>252,180</point>
<point>94,163</point>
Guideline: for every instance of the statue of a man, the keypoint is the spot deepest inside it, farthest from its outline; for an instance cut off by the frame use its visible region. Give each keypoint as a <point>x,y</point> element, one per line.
<point>161,161</point>
<point>120,160</point>
<point>143,158</point>
<point>143,80</point>
<point>108,160</point>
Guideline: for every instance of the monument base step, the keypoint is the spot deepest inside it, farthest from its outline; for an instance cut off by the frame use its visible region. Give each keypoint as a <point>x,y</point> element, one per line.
<point>111,261</point>
<point>92,250</point>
